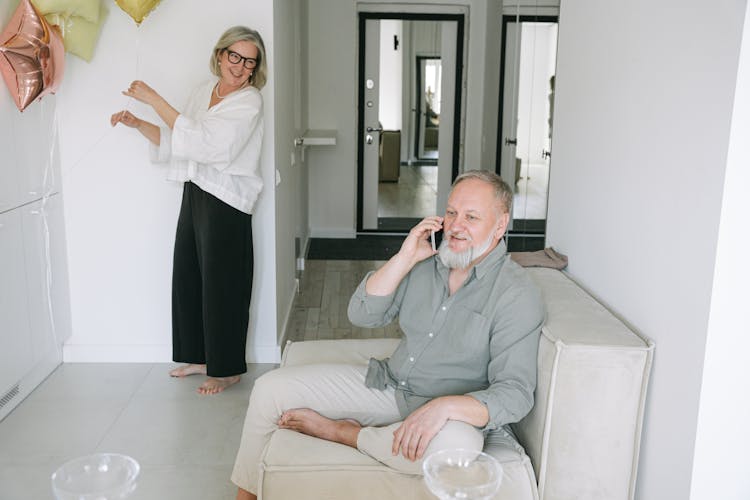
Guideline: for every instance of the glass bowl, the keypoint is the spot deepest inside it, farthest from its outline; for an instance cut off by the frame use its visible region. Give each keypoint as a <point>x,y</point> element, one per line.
<point>102,476</point>
<point>462,474</point>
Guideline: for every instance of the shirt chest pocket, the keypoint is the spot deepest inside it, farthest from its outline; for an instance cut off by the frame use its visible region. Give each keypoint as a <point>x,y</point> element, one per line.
<point>466,334</point>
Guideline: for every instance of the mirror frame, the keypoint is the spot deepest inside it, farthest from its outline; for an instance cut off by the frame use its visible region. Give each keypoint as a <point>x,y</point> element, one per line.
<point>538,231</point>
<point>459,74</point>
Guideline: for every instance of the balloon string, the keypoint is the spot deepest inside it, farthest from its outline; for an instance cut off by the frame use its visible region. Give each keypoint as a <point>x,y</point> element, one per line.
<point>48,186</point>
<point>129,100</point>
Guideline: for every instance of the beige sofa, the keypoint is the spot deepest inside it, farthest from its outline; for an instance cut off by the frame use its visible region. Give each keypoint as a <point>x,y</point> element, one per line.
<point>580,441</point>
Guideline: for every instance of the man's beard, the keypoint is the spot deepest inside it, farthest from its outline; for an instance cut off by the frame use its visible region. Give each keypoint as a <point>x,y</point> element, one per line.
<point>461,260</point>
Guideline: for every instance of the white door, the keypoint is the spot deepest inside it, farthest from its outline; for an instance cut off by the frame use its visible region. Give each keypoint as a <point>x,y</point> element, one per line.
<point>370,142</point>
<point>510,106</point>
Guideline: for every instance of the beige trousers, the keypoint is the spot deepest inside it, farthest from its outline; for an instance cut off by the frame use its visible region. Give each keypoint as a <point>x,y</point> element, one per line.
<point>335,391</point>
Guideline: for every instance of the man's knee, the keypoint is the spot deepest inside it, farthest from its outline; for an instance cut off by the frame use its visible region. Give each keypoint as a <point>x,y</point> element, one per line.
<point>266,384</point>
<point>269,390</point>
<point>456,434</point>
<point>377,442</point>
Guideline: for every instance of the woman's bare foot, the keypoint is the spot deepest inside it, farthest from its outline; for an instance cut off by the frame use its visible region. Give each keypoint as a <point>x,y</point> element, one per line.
<point>314,424</point>
<point>186,370</point>
<point>214,385</point>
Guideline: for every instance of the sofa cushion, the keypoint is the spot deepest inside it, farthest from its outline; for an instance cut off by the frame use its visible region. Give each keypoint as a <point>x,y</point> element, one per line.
<point>298,466</point>
<point>294,465</point>
<point>347,351</point>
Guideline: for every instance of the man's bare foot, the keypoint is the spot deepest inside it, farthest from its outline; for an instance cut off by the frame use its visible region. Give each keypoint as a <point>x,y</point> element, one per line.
<point>314,424</point>
<point>185,370</point>
<point>214,385</point>
<point>245,495</point>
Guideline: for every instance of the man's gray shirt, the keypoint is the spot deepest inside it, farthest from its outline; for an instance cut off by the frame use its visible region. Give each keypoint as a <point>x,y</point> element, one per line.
<point>482,341</point>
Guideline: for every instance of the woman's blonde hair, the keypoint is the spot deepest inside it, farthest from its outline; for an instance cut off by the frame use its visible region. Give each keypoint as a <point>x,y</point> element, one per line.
<point>241,34</point>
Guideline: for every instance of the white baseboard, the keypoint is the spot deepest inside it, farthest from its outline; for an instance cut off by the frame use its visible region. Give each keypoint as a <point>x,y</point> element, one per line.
<point>109,353</point>
<point>263,354</point>
<point>156,353</point>
<point>41,370</point>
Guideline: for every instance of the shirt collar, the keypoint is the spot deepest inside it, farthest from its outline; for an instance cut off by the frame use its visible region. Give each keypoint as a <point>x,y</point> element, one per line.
<point>494,257</point>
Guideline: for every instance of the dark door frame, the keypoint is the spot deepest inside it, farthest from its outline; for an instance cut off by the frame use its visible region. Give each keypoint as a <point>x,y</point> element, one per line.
<point>406,16</point>
<point>525,227</point>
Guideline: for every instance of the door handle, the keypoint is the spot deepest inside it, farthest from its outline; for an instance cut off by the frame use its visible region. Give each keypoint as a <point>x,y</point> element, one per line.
<point>508,142</point>
<point>370,129</point>
<point>546,154</point>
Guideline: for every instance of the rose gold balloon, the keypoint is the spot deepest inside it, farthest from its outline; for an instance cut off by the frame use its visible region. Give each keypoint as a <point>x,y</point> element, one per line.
<point>32,55</point>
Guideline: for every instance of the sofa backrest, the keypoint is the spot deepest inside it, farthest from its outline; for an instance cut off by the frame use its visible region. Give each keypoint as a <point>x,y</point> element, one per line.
<point>583,434</point>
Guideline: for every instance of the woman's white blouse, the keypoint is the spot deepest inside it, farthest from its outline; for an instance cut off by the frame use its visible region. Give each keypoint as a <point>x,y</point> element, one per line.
<point>218,149</point>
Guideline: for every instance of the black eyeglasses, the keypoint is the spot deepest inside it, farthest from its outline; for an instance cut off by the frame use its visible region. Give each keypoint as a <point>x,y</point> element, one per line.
<point>235,58</point>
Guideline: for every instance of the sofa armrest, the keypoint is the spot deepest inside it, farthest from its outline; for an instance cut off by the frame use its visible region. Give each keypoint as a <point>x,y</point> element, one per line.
<point>347,351</point>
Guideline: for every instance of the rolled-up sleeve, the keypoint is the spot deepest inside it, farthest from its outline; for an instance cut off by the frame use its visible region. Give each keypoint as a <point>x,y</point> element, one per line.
<point>162,152</point>
<point>218,138</point>
<point>373,311</point>
<point>512,369</point>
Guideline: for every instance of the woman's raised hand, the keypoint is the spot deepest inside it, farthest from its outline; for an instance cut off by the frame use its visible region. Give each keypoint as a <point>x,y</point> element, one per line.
<point>126,118</point>
<point>140,91</point>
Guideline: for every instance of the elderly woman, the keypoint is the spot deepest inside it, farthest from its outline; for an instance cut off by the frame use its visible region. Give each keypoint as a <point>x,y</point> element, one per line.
<point>213,147</point>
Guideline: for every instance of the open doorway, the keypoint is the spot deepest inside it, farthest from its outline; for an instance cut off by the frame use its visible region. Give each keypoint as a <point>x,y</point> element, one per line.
<point>409,103</point>
<point>527,80</point>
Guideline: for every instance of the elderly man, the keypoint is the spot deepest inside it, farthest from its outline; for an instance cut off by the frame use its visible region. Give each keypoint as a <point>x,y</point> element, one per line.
<point>465,368</point>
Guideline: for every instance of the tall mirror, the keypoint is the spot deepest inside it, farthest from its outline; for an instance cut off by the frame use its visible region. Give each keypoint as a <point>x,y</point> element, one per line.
<point>524,153</point>
<point>427,113</point>
<point>409,66</point>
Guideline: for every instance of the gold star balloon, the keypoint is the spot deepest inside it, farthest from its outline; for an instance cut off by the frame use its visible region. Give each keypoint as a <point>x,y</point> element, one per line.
<point>137,9</point>
<point>32,56</point>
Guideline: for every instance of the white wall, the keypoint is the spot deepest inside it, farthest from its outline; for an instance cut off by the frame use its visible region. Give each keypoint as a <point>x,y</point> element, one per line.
<point>642,113</point>
<point>290,214</point>
<point>725,411</point>
<point>120,211</point>
<point>332,103</point>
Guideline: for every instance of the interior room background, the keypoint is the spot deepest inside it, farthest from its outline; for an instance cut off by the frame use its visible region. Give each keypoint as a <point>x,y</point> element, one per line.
<point>646,194</point>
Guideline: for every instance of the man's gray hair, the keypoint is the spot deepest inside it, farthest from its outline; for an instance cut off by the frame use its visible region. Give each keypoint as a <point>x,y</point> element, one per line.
<point>503,192</point>
<point>242,34</point>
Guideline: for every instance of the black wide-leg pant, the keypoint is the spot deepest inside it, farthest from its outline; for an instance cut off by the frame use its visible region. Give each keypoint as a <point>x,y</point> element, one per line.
<point>212,279</point>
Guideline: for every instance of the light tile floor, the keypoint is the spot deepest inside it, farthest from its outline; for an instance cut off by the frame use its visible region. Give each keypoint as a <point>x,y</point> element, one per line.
<point>184,442</point>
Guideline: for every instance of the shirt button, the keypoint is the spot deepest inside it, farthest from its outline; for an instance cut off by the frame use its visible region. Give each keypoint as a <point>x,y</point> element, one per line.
<point>443,308</point>
<point>430,334</point>
<point>403,383</point>
<point>411,358</point>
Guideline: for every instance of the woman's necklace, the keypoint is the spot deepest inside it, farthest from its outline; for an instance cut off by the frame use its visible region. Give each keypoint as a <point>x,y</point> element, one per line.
<point>216,90</point>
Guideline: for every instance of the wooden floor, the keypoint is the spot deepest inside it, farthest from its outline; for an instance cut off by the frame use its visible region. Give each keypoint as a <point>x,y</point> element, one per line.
<point>319,310</point>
